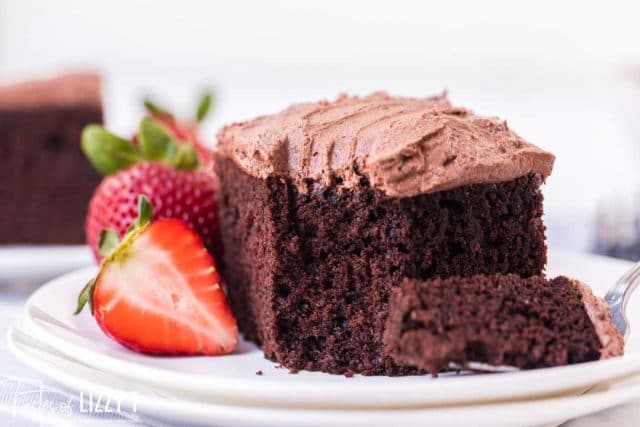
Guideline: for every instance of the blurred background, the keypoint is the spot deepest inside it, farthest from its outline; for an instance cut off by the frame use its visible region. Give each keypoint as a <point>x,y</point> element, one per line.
<point>566,75</point>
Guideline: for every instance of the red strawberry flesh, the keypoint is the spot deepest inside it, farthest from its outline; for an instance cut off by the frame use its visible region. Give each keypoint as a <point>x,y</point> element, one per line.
<point>160,293</point>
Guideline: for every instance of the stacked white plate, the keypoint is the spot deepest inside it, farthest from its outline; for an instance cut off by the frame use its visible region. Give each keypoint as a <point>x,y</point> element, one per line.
<point>245,389</point>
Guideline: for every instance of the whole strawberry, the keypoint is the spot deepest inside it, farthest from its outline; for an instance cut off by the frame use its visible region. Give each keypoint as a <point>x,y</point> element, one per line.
<point>167,170</point>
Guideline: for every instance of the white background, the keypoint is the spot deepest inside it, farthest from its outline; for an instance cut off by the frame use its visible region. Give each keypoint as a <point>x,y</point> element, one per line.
<point>564,74</point>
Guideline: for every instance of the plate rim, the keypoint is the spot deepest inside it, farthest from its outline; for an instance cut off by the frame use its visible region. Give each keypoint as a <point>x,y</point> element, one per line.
<point>565,407</point>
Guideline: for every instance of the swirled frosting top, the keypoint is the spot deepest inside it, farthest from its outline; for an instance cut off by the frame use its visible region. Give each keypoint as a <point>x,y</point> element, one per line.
<point>403,146</point>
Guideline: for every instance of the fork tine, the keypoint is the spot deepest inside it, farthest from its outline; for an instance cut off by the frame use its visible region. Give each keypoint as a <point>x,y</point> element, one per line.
<point>627,275</point>
<point>634,276</point>
<point>630,273</point>
<point>632,283</point>
<point>618,297</point>
<point>616,293</point>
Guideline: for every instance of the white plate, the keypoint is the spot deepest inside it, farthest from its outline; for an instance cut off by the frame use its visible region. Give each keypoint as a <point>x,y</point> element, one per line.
<point>233,378</point>
<point>24,266</point>
<point>149,403</point>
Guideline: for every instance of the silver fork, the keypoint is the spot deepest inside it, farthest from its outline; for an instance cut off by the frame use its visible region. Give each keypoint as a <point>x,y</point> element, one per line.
<point>616,298</point>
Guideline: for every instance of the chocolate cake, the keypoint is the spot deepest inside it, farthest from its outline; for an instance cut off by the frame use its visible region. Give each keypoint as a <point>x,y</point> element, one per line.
<point>498,320</point>
<point>326,206</point>
<point>46,180</point>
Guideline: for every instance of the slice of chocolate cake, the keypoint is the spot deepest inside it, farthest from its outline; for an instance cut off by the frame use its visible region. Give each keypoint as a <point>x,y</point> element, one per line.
<point>326,206</point>
<point>498,320</point>
<point>46,180</point>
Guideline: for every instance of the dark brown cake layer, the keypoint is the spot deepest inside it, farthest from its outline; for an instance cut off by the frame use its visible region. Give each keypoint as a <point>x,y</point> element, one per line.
<point>309,274</point>
<point>500,320</point>
<point>45,181</point>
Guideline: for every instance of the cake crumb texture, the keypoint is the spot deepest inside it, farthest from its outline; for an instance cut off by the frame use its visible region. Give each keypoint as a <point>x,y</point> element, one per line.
<point>309,273</point>
<point>499,320</point>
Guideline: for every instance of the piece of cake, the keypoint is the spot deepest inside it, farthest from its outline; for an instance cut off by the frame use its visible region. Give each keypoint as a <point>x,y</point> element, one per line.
<point>46,180</point>
<point>498,320</point>
<point>326,206</point>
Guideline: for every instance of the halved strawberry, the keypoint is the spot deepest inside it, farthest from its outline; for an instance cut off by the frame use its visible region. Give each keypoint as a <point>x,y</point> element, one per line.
<point>158,291</point>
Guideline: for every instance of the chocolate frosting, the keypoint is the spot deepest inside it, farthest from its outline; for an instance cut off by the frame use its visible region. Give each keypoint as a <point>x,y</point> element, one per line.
<point>598,311</point>
<point>403,146</point>
<point>66,90</point>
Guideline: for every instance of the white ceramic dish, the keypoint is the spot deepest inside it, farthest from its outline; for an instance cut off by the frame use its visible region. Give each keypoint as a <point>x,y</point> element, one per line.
<point>233,378</point>
<point>22,267</point>
<point>168,409</point>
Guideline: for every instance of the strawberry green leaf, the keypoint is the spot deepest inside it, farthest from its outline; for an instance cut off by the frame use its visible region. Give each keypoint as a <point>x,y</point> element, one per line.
<point>86,295</point>
<point>154,139</point>
<point>108,242</point>
<point>153,109</point>
<point>108,153</point>
<point>204,106</point>
<point>183,157</point>
<point>145,211</point>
